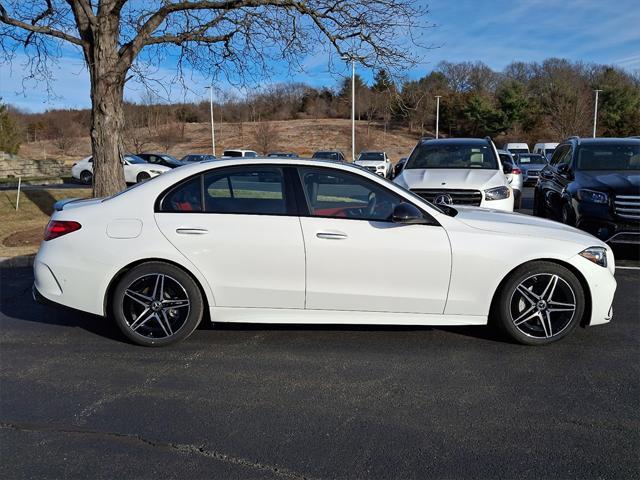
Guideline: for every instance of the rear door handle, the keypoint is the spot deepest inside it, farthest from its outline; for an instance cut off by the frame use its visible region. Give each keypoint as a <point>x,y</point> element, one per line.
<point>332,235</point>
<point>191,231</point>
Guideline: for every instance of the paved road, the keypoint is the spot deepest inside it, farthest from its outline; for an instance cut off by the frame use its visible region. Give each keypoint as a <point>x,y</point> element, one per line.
<point>244,401</point>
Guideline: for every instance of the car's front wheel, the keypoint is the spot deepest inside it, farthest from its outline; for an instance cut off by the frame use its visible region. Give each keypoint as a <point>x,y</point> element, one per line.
<point>86,177</point>
<point>156,304</point>
<point>143,176</point>
<point>540,303</point>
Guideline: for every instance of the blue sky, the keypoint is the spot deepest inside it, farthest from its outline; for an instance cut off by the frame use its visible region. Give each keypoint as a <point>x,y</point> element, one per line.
<point>496,32</point>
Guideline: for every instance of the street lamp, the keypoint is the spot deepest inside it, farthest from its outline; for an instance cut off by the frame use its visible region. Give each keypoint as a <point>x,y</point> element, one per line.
<point>213,133</point>
<point>352,59</point>
<point>595,113</point>
<point>438,114</point>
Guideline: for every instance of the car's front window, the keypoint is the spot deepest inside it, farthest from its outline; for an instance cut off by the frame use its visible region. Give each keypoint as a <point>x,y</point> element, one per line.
<point>371,156</point>
<point>609,157</point>
<point>133,159</point>
<point>452,155</point>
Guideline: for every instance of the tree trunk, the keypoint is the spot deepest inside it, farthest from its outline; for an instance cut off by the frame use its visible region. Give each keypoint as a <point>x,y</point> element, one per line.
<point>107,112</point>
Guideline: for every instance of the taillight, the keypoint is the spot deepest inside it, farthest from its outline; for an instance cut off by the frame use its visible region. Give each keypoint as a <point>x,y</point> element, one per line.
<point>517,171</point>
<point>58,228</point>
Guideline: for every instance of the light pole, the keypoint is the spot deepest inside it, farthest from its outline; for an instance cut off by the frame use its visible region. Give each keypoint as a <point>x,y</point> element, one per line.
<point>353,104</point>
<point>213,133</point>
<point>595,114</point>
<point>438,114</point>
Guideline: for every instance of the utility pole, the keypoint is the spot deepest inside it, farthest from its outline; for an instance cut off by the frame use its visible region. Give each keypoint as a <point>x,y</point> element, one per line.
<point>595,114</point>
<point>437,114</point>
<point>352,59</point>
<point>213,133</point>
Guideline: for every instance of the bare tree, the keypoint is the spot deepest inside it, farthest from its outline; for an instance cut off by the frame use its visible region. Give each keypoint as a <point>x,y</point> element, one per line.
<point>233,39</point>
<point>266,137</point>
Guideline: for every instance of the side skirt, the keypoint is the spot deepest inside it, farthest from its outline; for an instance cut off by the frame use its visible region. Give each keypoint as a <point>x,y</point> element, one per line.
<point>338,317</point>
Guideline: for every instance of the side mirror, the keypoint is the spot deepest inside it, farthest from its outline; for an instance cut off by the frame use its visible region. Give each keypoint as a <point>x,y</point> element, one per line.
<point>507,168</point>
<point>408,214</point>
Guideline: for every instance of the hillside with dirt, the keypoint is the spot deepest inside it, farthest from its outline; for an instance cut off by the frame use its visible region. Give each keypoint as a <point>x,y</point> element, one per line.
<point>300,136</point>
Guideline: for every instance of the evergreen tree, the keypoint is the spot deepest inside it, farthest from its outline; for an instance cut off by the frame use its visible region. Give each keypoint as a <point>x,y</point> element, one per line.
<point>9,134</point>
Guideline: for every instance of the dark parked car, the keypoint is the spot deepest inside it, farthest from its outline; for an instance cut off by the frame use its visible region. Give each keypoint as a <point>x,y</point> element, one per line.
<point>197,157</point>
<point>282,155</point>
<point>397,168</point>
<point>329,155</point>
<point>161,159</point>
<point>594,184</point>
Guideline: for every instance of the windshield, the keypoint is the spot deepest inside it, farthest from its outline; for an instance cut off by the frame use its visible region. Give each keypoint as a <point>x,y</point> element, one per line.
<point>530,158</point>
<point>609,157</point>
<point>170,159</point>
<point>133,159</point>
<point>519,150</point>
<point>232,153</point>
<point>453,155</point>
<point>371,156</point>
<point>326,155</point>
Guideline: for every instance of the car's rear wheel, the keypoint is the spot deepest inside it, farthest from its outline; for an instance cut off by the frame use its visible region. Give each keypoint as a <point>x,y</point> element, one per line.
<point>142,176</point>
<point>86,177</point>
<point>568,216</point>
<point>156,304</point>
<point>540,303</point>
<point>538,205</point>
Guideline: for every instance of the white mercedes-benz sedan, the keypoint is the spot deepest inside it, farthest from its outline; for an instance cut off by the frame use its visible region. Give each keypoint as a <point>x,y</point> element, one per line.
<point>299,241</point>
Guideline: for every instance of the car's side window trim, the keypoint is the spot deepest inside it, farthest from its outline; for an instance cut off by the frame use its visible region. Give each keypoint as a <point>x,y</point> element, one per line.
<point>303,201</point>
<point>288,190</point>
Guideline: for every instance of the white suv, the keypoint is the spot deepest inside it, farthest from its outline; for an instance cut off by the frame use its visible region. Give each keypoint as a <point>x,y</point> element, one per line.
<point>376,162</point>
<point>458,171</point>
<point>238,153</point>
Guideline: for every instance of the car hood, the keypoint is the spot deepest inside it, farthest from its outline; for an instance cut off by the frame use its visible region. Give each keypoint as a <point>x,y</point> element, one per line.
<point>369,163</point>
<point>519,224</point>
<point>465,178</point>
<point>619,182</point>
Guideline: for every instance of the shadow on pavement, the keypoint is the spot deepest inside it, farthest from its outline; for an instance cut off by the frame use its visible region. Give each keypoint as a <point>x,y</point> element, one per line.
<point>16,302</point>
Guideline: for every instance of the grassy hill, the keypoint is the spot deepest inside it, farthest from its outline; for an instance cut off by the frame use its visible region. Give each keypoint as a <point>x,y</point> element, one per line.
<point>300,136</point>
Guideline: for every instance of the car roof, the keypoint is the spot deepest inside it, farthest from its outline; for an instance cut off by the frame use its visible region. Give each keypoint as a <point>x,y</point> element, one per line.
<point>602,140</point>
<point>437,141</point>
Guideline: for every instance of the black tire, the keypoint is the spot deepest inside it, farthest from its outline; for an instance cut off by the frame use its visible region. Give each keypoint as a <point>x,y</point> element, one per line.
<point>86,177</point>
<point>154,327</point>
<point>568,217</point>
<point>143,176</point>
<point>538,206</point>
<point>510,303</point>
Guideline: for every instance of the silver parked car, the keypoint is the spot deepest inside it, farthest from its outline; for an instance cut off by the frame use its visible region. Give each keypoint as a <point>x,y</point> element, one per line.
<point>531,164</point>
<point>514,176</point>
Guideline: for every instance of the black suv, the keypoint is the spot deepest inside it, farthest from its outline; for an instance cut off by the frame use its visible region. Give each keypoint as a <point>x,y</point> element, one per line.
<point>593,184</point>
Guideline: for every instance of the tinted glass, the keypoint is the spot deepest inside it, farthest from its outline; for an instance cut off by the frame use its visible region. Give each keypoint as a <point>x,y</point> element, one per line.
<point>255,190</point>
<point>186,197</point>
<point>250,154</point>
<point>134,159</point>
<point>609,157</point>
<point>530,158</point>
<point>336,194</point>
<point>371,156</point>
<point>326,155</point>
<point>558,154</point>
<point>453,155</point>
<point>519,150</point>
<point>232,153</point>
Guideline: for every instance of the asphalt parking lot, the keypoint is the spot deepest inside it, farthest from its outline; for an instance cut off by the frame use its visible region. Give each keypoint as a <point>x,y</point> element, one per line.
<point>245,401</point>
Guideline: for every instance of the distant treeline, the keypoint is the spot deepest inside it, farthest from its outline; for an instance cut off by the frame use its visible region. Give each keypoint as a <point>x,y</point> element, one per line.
<point>526,101</point>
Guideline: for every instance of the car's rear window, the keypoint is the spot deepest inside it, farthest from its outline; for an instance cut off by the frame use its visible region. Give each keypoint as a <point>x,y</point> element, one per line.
<point>232,153</point>
<point>453,155</point>
<point>609,157</point>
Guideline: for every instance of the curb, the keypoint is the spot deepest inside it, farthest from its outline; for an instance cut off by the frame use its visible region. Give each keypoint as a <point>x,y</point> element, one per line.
<point>17,262</point>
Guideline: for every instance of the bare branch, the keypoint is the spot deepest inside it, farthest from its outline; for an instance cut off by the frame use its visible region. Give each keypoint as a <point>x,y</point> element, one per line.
<point>33,28</point>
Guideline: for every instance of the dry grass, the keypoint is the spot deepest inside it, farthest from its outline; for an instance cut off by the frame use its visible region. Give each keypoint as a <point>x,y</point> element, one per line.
<point>300,136</point>
<point>21,231</point>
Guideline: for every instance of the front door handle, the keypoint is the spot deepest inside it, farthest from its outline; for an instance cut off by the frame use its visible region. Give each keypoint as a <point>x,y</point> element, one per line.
<point>191,231</point>
<point>332,235</point>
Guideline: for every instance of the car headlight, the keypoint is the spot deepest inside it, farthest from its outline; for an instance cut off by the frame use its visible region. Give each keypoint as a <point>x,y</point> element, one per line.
<point>593,196</point>
<point>597,255</point>
<point>497,193</point>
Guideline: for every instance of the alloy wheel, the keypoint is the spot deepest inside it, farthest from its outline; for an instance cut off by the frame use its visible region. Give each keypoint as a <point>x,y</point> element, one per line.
<point>155,306</point>
<point>543,305</point>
